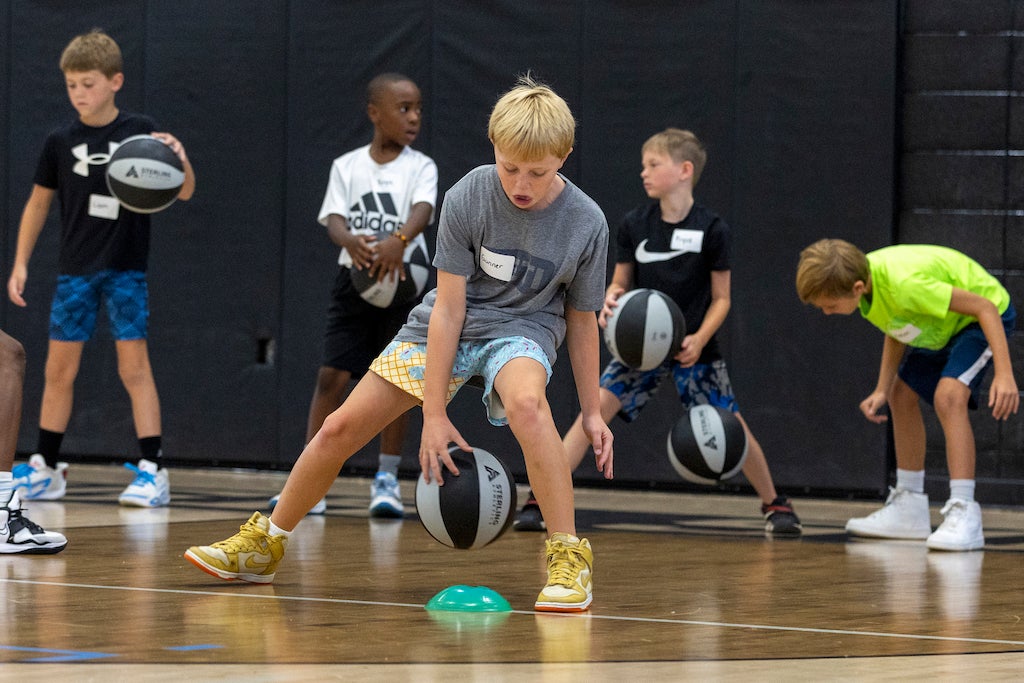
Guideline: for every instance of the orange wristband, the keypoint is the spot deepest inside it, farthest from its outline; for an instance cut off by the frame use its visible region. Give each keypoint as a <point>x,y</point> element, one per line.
<point>403,238</point>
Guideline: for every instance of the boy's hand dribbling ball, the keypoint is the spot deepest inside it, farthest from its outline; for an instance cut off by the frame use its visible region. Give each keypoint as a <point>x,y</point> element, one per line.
<point>144,174</point>
<point>393,291</point>
<point>645,329</point>
<point>707,445</point>
<point>472,509</point>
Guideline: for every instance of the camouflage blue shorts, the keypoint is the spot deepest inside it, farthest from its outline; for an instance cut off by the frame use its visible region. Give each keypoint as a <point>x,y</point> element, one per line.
<point>703,383</point>
<point>76,303</point>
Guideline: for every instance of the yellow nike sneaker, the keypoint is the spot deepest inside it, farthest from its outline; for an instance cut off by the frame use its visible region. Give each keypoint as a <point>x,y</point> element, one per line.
<point>570,580</point>
<point>250,555</point>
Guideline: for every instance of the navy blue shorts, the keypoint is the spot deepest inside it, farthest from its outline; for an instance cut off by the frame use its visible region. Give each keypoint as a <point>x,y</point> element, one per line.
<point>702,383</point>
<point>76,303</point>
<point>966,358</point>
<point>357,331</point>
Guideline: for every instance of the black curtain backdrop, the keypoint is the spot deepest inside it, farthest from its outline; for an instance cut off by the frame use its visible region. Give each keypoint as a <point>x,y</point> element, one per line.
<point>794,100</point>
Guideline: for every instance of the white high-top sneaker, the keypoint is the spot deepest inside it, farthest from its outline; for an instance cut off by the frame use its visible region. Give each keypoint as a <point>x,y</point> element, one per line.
<point>904,515</point>
<point>961,528</point>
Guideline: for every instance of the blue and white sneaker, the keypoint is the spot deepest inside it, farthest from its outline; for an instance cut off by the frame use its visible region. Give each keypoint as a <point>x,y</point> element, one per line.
<point>318,509</point>
<point>34,480</point>
<point>150,489</point>
<point>386,498</point>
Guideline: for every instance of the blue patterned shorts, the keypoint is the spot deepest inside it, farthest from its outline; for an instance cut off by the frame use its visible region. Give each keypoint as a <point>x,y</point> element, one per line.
<point>76,303</point>
<point>703,383</point>
<point>402,363</point>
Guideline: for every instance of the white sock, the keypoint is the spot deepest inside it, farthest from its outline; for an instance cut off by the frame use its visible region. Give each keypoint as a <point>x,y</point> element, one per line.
<point>6,487</point>
<point>910,480</point>
<point>962,489</point>
<point>389,463</point>
<point>275,530</point>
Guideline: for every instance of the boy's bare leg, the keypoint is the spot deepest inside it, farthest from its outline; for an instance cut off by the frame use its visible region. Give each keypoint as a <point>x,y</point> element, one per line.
<point>372,404</point>
<point>136,374</point>
<point>755,469</point>
<point>907,427</point>
<point>62,362</point>
<point>521,385</point>
<point>951,398</point>
<point>330,392</point>
<point>12,378</point>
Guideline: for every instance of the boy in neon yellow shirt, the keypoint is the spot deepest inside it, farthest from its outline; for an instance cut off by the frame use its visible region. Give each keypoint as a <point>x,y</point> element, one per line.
<point>955,318</point>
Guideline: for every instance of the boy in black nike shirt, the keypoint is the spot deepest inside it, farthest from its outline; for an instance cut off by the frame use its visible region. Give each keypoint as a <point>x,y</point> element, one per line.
<point>681,248</point>
<point>104,250</point>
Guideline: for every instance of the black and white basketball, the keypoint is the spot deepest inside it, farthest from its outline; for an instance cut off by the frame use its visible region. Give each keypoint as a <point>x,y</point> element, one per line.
<point>645,329</point>
<point>144,174</point>
<point>472,509</point>
<point>707,445</point>
<point>393,291</point>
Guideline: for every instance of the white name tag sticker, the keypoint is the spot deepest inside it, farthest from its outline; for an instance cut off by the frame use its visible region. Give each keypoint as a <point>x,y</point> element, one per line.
<point>905,334</point>
<point>101,206</point>
<point>498,266</point>
<point>687,240</point>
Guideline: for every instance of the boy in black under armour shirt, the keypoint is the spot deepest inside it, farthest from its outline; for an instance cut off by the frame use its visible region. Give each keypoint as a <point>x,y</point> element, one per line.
<point>103,256</point>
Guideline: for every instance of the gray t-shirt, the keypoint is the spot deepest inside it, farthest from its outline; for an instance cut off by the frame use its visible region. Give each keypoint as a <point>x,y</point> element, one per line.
<point>522,268</point>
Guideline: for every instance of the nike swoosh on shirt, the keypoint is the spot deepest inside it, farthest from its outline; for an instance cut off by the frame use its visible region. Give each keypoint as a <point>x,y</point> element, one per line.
<point>644,256</point>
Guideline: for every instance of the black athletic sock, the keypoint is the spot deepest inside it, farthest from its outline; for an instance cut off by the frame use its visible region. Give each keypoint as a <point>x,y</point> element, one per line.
<point>49,446</point>
<point>150,447</point>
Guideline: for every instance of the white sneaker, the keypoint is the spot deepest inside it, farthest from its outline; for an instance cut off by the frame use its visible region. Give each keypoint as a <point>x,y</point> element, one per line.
<point>150,489</point>
<point>19,534</point>
<point>36,481</point>
<point>385,497</point>
<point>960,528</point>
<point>318,509</point>
<point>904,515</point>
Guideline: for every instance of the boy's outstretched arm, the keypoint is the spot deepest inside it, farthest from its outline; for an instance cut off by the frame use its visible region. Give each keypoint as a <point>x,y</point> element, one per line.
<point>443,334</point>
<point>892,353</point>
<point>1003,395</point>
<point>33,218</point>
<point>583,342</point>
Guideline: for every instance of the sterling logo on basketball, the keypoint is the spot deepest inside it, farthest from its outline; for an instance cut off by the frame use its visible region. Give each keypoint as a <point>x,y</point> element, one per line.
<point>85,160</point>
<point>147,172</point>
<point>499,503</point>
<point>491,473</point>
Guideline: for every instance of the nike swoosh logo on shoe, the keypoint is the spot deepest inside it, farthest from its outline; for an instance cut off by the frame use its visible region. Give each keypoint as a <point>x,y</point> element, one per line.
<point>257,561</point>
<point>644,256</point>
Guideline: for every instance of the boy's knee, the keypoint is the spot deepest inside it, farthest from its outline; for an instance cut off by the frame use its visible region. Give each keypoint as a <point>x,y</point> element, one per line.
<point>525,408</point>
<point>951,398</point>
<point>12,353</point>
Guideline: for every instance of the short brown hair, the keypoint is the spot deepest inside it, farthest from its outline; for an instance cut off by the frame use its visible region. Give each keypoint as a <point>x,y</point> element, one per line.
<point>681,145</point>
<point>90,51</point>
<point>830,268</point>
<point>531,121</point>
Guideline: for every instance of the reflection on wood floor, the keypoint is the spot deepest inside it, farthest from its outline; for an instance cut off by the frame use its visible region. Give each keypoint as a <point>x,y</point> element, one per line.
<point>686,587</point>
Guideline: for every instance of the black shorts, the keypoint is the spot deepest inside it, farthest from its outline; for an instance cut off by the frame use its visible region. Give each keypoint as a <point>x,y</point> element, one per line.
<point>357,331</point>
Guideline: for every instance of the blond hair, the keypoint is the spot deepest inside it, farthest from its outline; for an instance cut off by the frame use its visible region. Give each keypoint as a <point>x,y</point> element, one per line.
<point>530,122</point>
<point>681,145</point>
<point>830,268</point>
<point>90,51</point>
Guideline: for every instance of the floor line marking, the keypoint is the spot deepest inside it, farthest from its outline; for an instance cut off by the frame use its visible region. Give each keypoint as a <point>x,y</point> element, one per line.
<point>607,617</point>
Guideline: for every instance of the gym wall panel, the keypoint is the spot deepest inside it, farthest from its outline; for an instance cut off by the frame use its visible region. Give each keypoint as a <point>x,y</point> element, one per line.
<point>815,90</point>
<point>794,101</point>
<point>215,272</point>
<point>334,50</point>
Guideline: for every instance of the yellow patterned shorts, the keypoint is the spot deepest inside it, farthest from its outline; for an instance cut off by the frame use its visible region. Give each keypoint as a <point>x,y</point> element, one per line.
<point>403,363</point>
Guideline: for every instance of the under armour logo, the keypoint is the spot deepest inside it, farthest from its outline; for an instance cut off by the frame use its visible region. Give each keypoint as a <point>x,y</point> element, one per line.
<point>85,160</point>
<point>492,473</point>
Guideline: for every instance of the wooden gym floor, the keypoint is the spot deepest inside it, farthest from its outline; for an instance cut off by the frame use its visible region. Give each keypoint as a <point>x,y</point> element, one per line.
<point>686,588</point>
